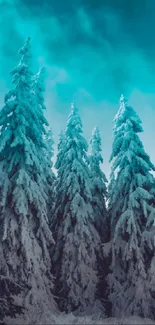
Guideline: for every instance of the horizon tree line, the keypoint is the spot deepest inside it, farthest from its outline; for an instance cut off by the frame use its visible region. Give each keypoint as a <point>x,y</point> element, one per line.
<point>71,242</point>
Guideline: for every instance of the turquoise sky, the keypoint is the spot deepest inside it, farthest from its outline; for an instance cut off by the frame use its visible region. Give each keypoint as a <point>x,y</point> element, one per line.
<point>93,51</point>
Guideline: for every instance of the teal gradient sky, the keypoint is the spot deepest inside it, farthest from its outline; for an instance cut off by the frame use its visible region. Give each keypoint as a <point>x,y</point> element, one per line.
<point>93,52</point>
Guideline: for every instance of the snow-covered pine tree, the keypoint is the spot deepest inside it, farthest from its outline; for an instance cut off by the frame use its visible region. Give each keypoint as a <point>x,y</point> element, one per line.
<point>26,240</point>
<point>76,238</point>
<point>60,155</point>
<point>59,160</point>
<point>38,97</point>
<point>99,196</point>
<point>111,190</point>
<point>98,185</point>
<point>38,90</point>
<point>51,178</point>
<point>129,211</point>
<point>148,244</point>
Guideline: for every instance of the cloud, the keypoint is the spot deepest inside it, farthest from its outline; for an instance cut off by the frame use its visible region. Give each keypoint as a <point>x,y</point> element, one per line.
<point>93,51</point>
<point>97,44</point>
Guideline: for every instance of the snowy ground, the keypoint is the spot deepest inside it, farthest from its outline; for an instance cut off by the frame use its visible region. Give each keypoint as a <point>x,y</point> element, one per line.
<point>72,320</point>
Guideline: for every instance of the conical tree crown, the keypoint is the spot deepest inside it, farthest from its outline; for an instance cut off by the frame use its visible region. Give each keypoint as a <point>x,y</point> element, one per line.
<point>61,146</point>
<point>95,160</point>
<point>24,253</point>
<point>130,208</point>
<point>21,139</point>
<point>76,238</point>
<point>98,184</point>
<point>133,165</point>
<point>74,134</point>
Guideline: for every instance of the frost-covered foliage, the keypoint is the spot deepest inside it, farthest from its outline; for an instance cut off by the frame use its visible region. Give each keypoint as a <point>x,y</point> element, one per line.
<point>76,238</point>
<point>38,90</point>
<point>60,154</point>
<point>26,237</point>
<point>130,209</point>
<point>38,97</point>
<point>49,146</point>
<point>111,190</point>
<point>57,165</point>
<point>49,153</point>
<point>8,307</point>
<point>99,196</point>
<point>98,185</point>
<point>111,187</point>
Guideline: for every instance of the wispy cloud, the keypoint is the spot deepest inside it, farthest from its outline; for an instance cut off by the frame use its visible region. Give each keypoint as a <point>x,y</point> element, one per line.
<point>92,51</point>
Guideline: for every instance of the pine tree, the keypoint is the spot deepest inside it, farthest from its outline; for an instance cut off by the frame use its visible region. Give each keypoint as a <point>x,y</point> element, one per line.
<point>38,97</point>
<point>60,154</point>
<point>51,178</point>
<point>57,165</point>
<point>38,90</point>
<point>148,245</point>
<point>73,226</point>
<point>130,208</point>
<point>99,196</point>
<point>26,238</point>
<point>111,191</point>
<point>98,185</point>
